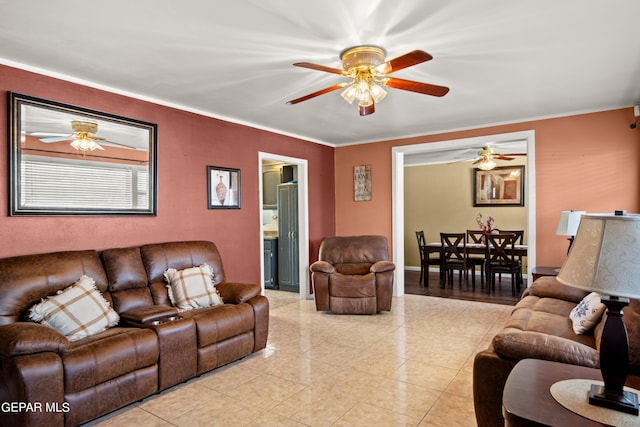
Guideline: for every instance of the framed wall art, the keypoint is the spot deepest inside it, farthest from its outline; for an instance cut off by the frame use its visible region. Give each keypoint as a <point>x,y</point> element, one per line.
<point>501,186</point>
<point>69,160</point>
<point>362,183</point>
<point>223,188</point>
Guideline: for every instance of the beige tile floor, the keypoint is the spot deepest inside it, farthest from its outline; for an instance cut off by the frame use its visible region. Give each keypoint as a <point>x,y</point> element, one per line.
<point>409,367</point>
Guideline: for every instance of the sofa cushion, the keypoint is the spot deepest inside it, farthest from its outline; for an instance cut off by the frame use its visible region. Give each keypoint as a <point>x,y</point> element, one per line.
<point>159,257</point>
<point>108,355</point>
<point>77,312</point>
<point>587,313</point>
<point>344,286</point>
<point>25,280</point>
<point>215,324</point>
<point>547,316</point>
<point>192,287</point>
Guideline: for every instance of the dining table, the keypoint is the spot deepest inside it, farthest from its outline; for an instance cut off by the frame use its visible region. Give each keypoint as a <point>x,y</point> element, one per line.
<point>472,248</point>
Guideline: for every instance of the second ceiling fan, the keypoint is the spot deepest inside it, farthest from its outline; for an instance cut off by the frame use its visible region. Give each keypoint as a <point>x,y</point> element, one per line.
<point>486,157</point>
<point>366,67</point>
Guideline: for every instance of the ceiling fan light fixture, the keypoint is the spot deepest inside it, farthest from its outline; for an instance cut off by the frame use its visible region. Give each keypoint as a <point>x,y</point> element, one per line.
<point>486,164</point>
<point>367,68</point>
<point>83,142</point>
<point>377,93</point>
<point>349,94</point>
<point>83,136</point>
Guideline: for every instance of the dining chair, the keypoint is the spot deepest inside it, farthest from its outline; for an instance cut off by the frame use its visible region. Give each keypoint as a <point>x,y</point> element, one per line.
<point>426,259</point>
<point>477,237</point>
<point>519,241</point>
<point>501,258</point>
<point>454,253</point>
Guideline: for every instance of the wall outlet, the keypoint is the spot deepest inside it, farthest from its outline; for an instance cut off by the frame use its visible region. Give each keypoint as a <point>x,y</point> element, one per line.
<point>636,111</point>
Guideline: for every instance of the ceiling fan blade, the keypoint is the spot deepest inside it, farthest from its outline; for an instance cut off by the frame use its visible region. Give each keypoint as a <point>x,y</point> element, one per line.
<point>476,162</point>
<point>56,138</point>
<point>48,134</point>
<point>319,68</point>
<point>502,157</point>
<point>424,88</point>
<point>318,93</point>
<point>407,60</point>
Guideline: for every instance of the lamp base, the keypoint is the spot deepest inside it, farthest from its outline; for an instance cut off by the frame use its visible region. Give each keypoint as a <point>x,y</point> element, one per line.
<point>625,402</point>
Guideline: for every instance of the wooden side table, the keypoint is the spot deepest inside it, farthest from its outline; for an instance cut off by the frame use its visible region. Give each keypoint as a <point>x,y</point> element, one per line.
<point>544,271</point>
<point>527,400</point>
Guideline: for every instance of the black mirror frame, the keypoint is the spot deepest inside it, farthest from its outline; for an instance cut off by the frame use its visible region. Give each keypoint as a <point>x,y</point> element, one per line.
<point>15,102</point>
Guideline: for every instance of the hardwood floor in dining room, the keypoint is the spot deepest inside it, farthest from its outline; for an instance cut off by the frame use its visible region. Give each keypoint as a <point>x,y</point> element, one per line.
<point>501,295</point>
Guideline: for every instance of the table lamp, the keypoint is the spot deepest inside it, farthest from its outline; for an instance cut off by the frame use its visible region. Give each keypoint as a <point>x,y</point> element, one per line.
<point>605,258</point>
<point>568,225</point>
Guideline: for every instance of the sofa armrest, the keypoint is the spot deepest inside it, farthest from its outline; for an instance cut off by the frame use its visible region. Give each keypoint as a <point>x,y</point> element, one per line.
<point>322,267</point>
<point>549,287</point>
<point>382,266</point>
<point>535,345</point>
<point>22,338</point>
<point>237,293</point>
<point>148,314</point>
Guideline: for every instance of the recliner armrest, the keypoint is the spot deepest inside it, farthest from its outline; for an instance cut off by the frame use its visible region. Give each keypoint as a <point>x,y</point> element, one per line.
<point>29,338</point>
<point>535,345</point>
<point>382,266</point>
<point>549,287</point>
<point>237,293</point>
<point>322,267</point>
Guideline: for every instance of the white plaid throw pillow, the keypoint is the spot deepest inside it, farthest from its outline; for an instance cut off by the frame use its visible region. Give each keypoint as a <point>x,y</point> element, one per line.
<point>192,288</point>
<point>76,312</point>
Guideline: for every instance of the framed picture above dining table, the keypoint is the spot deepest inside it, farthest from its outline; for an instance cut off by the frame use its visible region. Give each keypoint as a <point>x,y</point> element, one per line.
<point>501,186</point>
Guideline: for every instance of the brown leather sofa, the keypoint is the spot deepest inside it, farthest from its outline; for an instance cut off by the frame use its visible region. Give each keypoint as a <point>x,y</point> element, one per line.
<point>353,275</point>
<point>46,379</point>
<point>539,328</point>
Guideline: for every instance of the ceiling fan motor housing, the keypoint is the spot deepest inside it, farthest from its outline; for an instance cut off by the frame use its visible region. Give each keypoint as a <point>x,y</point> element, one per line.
<point>80,126</point>
<point>362,56</point>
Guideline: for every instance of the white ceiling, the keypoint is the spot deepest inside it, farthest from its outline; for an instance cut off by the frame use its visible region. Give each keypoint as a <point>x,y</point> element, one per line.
<point>505,61</point>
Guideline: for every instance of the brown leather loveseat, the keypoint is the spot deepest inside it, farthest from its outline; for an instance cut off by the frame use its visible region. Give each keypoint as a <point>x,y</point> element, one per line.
<point>46,379</point>
<point>540,328</point>
<point>353,275</point>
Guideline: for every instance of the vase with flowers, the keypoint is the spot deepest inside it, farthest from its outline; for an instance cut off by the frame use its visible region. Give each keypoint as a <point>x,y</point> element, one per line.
<point>486,225</point>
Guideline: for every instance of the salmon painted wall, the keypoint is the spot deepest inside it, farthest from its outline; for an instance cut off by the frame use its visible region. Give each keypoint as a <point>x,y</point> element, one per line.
<point>584,162</point>
<point>187,143</point>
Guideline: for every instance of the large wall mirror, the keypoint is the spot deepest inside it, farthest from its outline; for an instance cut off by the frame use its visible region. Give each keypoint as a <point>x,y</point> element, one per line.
<point>68,160</point>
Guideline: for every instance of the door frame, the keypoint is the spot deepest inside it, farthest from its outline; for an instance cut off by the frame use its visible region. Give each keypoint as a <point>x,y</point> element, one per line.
<point>303,217</point>
<point>397,192</point>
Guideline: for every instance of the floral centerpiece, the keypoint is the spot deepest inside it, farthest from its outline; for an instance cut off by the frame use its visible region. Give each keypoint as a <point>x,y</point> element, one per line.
<point>486,225</point>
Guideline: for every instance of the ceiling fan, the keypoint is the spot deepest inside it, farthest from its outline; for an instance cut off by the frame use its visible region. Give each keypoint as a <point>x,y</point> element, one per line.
<point>366,67</point>
<point>82,139</point>
<point>486,157</point>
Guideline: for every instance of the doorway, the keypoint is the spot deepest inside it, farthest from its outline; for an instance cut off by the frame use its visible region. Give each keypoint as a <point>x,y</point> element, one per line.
<point>302,226</point>
<point>398,164</point>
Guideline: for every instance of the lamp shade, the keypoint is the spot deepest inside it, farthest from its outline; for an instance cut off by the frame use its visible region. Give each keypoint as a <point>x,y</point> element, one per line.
<point>605,257</point>
<point>569,221</point>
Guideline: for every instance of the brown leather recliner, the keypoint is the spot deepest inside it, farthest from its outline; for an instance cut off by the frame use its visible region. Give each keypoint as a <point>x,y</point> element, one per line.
<point>353,275</point>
